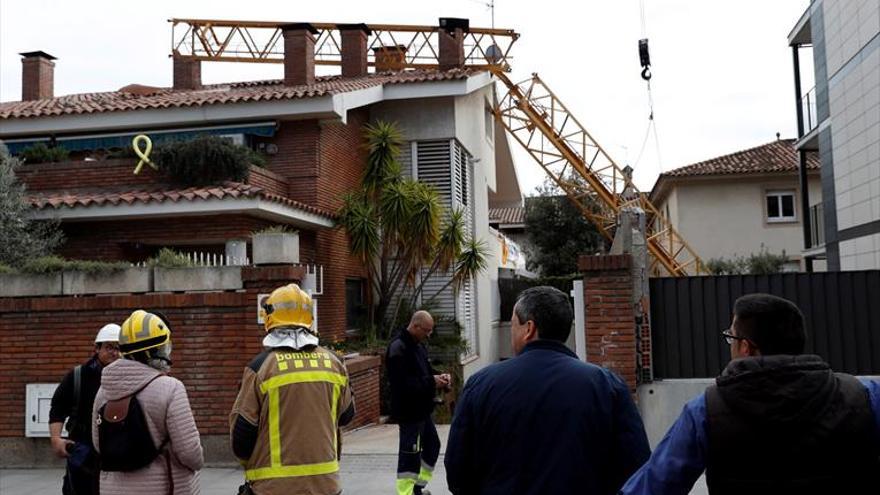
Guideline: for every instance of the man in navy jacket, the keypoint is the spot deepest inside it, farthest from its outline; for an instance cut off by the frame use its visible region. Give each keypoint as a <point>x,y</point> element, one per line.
<point>543,422</point>
<point>413,385</point>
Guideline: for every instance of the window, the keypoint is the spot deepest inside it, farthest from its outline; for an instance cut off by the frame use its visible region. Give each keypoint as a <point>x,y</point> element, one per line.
<point>489,119</point>
<point>354,303</point>
<point>780,206</point>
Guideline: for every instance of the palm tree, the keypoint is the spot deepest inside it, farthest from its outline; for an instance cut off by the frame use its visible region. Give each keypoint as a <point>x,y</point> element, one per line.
<point>397,227</point>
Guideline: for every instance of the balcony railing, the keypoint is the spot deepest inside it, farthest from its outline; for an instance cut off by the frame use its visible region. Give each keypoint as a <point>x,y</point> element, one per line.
<point>808,105</point>
<point>817,225</point>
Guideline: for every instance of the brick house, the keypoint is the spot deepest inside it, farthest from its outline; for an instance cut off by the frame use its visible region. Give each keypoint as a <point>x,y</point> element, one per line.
<point>310,131</point>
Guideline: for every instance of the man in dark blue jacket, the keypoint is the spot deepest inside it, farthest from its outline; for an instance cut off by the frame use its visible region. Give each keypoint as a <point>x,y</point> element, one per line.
<point>543,422</point>
<point>413,385</point>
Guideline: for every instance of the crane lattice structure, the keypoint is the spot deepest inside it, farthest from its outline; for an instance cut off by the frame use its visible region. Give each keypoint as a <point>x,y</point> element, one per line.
<point>529,111</point>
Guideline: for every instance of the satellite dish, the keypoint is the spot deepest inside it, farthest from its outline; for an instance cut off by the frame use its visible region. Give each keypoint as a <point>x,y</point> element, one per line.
<point>493,54</point>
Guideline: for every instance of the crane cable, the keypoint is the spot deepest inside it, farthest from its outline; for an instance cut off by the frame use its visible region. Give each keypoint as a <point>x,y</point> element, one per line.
<point>645,60</point>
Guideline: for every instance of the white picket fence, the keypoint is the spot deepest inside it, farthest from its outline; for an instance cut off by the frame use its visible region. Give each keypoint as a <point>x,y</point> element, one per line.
<point>313,281</point>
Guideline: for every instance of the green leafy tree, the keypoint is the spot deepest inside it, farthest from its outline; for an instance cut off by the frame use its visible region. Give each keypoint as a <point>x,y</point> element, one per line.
<point>557,233</point>
<point>397,226</point>
<point>22,238</point>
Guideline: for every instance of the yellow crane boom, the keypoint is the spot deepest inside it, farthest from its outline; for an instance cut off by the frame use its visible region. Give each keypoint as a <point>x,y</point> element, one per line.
<point>529,111</point>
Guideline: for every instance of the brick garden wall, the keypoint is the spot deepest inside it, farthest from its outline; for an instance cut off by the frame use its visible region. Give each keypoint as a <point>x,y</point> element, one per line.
<point>215,335</point>
<point>610,321</point>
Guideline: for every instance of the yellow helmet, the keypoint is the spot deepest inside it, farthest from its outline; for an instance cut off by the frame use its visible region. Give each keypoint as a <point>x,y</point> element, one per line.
<point>142,331</point>
<point>288,306</point>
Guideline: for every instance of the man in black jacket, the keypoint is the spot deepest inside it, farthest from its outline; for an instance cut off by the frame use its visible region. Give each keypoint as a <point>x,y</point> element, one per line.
<point>777,421</point>
<point>72,401</point>
<point>413,385</point>
<point>543,422</point>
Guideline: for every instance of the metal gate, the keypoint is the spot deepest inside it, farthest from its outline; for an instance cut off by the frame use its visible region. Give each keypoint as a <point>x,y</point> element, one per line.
<point>842,312</point>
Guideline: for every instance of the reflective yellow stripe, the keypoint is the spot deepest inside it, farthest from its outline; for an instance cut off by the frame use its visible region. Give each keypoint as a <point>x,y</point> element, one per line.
<point>303,377</point>
<point>405,486</point>
<point>272,386</point>
<point>336,390</point>
<point>274,428</point>
<point>292,471</point>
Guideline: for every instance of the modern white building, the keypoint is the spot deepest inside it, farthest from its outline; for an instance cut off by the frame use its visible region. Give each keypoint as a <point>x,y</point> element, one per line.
<point>838,112</point>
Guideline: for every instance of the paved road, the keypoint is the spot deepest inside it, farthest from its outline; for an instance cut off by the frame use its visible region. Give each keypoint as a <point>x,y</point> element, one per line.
<point>368,465</point>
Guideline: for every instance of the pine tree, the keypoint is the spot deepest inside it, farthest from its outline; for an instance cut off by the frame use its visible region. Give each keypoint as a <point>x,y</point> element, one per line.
<point>21,238</point>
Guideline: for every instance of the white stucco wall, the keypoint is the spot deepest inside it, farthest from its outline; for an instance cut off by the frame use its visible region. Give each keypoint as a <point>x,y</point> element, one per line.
<point>420,120</point>
<point>462,118</point>
<point>470,130</point>
<point>724,218</point>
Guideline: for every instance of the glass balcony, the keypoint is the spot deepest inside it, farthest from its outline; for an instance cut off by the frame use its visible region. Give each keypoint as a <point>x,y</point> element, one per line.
<point>817,225</point>
<point>808,105</point>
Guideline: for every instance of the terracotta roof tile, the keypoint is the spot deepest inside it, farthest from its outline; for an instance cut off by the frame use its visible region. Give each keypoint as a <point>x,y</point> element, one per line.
<point>776,156</point>
<point>227,190</point>
<point>135,97</point>
<point>507,215</point>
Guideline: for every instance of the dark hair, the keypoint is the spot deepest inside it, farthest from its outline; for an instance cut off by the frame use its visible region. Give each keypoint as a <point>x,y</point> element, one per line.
<point>549,308</point>
<point>775,325</point>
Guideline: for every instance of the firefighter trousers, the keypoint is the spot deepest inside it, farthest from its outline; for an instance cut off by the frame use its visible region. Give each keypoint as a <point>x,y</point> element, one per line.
<point>417,456</point>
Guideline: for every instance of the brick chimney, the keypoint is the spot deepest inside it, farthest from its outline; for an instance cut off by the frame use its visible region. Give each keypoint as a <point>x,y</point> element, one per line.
<point>451,35</point>
<point>390,58</point>
<point>299,53</point>
<point>187,73</point>
<point>354,49</point>
<point>37,76</point>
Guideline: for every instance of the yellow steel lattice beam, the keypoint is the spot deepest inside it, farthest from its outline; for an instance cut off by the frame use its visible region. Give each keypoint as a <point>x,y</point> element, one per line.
<point>262,42</point>
<point>529,111</point>
<point>544,126</point>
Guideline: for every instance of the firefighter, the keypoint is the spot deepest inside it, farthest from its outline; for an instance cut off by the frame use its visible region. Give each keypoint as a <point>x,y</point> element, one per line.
<point>294,396</point>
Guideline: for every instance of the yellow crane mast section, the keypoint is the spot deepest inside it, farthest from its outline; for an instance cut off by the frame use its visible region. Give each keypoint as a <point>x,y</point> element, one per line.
<point>529,111</point>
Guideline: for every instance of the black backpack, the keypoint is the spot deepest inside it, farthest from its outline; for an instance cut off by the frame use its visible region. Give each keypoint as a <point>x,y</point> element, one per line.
<point>123,435</point>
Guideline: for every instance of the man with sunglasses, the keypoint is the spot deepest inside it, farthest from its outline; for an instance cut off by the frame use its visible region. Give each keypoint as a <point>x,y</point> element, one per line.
<point>776,421</point>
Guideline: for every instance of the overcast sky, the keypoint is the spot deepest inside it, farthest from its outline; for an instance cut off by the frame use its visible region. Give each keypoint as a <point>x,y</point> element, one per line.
<point>722,69</point>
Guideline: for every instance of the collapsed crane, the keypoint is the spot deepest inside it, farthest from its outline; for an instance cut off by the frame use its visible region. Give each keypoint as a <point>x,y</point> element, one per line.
<point>530,112</point>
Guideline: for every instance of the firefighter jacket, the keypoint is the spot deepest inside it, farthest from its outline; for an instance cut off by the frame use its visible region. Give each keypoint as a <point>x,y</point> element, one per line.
<point>284,425</point>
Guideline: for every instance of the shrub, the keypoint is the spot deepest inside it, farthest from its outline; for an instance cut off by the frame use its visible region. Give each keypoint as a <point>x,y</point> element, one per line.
<point>53,264</point>
<point>169,258</point>
<point>40,153</point>
<point>21,238</point>
<point>762,263</point>
<point>276,229</point>
<point>206,160</point>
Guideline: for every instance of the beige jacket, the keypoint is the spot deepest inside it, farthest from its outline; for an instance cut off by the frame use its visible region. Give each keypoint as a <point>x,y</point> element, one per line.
<point>295,399</point>
<point>168,415</point>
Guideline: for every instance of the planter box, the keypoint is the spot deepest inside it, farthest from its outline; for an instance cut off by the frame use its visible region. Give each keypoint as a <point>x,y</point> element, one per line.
<point>197,279</point>
<point>22,284</point>
<point>274,249</point>
<point>119,281</point>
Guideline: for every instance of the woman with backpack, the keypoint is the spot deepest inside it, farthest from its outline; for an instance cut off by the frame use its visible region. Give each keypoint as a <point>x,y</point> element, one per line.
<point>142,423</point>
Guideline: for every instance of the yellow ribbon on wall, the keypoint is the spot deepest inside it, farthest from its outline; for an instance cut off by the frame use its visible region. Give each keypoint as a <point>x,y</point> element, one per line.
<point>143,155</point>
